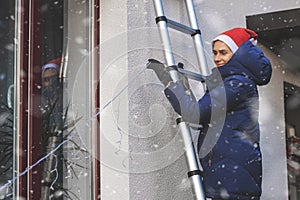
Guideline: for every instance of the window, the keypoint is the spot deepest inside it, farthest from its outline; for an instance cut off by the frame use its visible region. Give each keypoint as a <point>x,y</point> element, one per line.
<point>48,99</point>
<point>7,29</point>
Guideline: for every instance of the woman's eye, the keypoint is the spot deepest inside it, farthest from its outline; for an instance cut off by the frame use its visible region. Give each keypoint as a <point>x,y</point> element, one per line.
<point>224,53</point>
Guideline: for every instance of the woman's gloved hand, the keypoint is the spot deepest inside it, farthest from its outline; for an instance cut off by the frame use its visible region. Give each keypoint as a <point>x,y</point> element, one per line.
<point>160,70</point>
<point>163,75</point>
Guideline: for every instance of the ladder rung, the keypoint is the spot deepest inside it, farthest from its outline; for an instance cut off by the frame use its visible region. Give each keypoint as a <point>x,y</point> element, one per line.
<point>177,26</point>
<point>192,75</point>
<point>183,28</point>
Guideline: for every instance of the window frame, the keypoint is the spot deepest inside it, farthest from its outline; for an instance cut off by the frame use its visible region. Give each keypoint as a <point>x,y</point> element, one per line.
<point>27,93</point>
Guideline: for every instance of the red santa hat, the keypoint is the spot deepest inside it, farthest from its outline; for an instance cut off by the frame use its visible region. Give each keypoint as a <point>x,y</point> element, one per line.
<point>53,64</point>
<point>233,38</point>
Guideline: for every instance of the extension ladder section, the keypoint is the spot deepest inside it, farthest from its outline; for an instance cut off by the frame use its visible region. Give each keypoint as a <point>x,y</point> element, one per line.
<point>163,23</point>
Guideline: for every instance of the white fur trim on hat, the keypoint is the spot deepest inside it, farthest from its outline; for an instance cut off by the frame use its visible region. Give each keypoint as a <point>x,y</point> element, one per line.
<point>50,66</point>
<point>228,41</point>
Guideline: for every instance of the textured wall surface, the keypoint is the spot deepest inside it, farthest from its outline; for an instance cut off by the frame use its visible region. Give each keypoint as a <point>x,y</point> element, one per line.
<point>113,94</point>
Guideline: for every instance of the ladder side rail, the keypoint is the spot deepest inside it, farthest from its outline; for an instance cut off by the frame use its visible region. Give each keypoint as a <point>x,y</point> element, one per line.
<point>198,44</point>
<point>165,38</point>
<point>192,161</point>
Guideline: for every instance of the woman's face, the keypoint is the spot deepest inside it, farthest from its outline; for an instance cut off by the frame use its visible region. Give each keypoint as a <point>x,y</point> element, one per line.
<point>49,77</point>
<point>222,53</point>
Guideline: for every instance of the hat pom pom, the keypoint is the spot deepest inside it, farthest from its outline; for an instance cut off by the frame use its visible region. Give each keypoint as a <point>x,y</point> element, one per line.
<point>254,41</point>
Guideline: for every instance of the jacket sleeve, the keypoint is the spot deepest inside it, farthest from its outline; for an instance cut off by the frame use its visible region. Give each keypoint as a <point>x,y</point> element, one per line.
<point>217,101</point>
<point>186,106</point>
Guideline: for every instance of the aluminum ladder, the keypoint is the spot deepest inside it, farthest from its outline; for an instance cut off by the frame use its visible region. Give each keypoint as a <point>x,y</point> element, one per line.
<point>163,23</point>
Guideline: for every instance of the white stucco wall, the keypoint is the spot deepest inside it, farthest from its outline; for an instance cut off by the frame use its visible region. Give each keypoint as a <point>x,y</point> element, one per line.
<point>272,121</point>
<point>142,153</point>
<point>114,153</point>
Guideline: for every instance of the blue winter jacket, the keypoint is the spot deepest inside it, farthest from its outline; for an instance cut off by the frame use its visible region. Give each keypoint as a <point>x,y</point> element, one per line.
<point>228,111</point>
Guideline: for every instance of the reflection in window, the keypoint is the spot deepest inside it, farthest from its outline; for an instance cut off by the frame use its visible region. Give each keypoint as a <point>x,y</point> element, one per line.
<point>7,29</point>
<point>52,129</point>
<point>65,136</point>
<point>66,167</point>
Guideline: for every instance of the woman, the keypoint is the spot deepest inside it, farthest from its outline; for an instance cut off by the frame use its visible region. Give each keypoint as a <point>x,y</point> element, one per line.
<point>232,168</point>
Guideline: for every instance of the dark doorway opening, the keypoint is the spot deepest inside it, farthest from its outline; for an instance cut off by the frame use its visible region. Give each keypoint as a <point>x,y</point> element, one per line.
<point>280,32</point>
